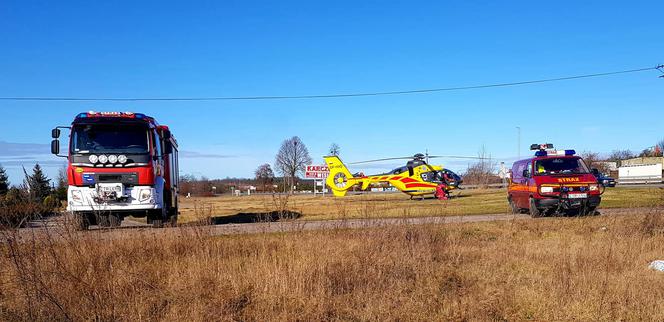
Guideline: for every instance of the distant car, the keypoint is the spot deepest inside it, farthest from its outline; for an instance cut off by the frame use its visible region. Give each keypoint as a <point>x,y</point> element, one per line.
<point>603,180</point>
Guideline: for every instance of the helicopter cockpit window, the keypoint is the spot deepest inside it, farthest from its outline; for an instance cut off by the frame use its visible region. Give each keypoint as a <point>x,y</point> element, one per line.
<point>400,170</point>
<point>427,176</point>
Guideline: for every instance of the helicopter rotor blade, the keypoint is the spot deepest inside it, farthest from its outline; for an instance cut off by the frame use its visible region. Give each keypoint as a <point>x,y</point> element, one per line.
<point>380,160</point>
<point>456,157</point>
<point>423,156</point>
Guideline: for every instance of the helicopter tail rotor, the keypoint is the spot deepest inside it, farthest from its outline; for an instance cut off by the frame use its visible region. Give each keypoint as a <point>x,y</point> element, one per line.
<point>338,179</point>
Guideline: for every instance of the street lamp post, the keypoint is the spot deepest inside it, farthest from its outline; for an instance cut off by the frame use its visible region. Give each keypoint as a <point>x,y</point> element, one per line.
<point>518,143</point>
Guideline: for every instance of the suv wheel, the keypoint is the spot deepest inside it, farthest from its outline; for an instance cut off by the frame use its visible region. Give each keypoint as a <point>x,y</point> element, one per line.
<point>513,207</point>
<point>534,211</point>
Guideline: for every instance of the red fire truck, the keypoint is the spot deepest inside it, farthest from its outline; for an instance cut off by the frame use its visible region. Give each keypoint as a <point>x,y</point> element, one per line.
<point>553,182</point>
<point>120,164</point>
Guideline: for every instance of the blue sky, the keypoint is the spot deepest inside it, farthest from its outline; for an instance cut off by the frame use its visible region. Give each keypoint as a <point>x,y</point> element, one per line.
<point>246,48</point>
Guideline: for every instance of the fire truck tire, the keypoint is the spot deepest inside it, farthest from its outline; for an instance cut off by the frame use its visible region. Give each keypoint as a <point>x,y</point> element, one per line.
<point>534,211</point>
<point>82,222</point>
<point>158,218</point>
<point>102,220</point>
<point>173,218</point>
<point>114,220</point>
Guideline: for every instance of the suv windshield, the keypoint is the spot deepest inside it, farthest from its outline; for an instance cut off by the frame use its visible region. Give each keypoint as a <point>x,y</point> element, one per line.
<point>107,138</point>
<point>560,166</point>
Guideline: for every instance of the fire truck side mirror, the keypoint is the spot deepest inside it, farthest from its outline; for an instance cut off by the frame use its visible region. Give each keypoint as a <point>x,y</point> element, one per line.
<point>168,147</point>
<point>55,147</point>
<point>55,133</point>
<point>526,173</point>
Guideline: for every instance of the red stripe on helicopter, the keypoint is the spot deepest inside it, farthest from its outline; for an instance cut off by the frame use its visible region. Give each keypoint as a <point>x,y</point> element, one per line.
<point>396,178</point>
<point>420,185</point>
<point>408,180</point>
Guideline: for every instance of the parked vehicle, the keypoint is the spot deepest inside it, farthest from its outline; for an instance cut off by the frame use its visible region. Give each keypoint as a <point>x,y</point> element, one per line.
<point>602,179</point>
<point>120,164</point>
<point>553,182</point>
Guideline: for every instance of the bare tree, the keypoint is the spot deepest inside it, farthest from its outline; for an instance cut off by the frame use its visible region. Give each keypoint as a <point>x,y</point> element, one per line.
<point>292,158</point>
<point>264,175</point>
<point>483,172</point>
<point>334,149</point>
<point>659,148</point>
<point>593,160</point>
<point>619,155</point>
<point>654,151</point>
<point>187,182</point>
<point>203,187</point>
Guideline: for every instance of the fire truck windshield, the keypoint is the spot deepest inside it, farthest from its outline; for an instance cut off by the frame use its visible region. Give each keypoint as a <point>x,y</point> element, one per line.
<point>560,166</point>
<point>106,138</point>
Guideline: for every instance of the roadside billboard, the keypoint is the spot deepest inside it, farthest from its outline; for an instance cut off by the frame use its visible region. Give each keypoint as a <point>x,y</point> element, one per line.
<point>317,172</point>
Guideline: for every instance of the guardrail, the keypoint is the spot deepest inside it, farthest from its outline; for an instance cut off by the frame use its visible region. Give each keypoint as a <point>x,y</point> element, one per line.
<point>640,180</point>
<point>489,186</point>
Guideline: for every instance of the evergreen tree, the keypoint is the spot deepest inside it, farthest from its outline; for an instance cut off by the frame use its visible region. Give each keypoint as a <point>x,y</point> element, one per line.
<point>62,184</point>
<point>4,181</point>
<point>39,184</point>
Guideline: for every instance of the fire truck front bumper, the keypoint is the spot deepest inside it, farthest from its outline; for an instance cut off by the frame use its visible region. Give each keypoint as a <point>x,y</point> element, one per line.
<point>125,199</point>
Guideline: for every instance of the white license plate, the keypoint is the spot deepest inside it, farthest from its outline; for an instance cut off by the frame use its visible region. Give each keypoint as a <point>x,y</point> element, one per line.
<point>577,195</point>
<point>111,188</point>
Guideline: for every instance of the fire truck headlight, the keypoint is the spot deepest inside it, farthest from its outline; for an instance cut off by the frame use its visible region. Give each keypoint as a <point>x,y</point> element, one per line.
<point>112,158</point>
<point>122,158</point>
<point>546,189</point>
<point>93,158</point>
<point>144,195</point>
<point>76,196</point>
<point>103,158</point>
<point>594,187</point>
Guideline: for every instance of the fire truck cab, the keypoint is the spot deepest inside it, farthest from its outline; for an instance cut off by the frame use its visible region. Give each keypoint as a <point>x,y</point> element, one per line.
<point>120,164</point>
<point>553,182</point>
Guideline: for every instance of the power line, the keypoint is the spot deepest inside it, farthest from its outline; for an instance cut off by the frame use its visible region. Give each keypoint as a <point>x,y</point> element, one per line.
<point>340,95</point>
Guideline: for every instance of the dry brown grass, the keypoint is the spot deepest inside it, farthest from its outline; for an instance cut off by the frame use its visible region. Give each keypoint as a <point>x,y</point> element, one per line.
<point>466,202</point>
<point>546,269</point>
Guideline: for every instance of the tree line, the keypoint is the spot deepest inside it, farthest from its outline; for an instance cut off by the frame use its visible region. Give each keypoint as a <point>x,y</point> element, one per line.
<point>36,196</point>
<point>282,176</point>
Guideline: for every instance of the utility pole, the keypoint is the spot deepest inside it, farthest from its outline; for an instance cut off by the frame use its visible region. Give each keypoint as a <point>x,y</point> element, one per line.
<point>518,144</point>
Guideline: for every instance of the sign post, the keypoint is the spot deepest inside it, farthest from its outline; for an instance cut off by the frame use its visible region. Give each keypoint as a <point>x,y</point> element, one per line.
<point>316,173</point>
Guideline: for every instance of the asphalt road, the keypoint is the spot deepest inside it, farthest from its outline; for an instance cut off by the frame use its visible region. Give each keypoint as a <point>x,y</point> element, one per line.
<point>130,228</point>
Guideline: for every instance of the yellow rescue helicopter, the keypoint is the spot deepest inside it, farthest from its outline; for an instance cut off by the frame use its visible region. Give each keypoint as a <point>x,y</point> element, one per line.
<point>417,178</point>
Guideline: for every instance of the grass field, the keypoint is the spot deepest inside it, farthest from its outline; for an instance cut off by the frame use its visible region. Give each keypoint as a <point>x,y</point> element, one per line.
<point>465,202</point>
<point>548,269</point>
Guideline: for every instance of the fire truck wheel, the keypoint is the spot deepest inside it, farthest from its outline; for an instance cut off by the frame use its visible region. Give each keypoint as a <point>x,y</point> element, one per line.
<point>173,219</point>
<point>102,220</point>
<point>82,222</point>
<point>157,222</point>
<point>114,220</point>
<point>534,211</point>
<point>158,218</point>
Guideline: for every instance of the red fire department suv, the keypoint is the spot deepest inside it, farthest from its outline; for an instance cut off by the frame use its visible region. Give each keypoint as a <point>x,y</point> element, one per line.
<point>553,182</point>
